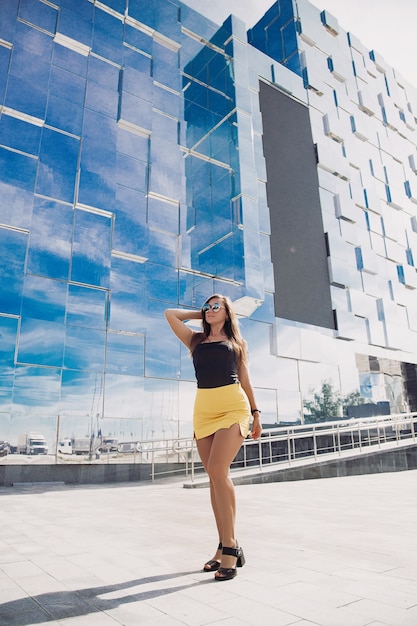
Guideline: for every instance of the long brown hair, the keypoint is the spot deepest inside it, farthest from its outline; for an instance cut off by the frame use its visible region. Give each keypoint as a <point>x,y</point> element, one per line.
<point>231,329</point>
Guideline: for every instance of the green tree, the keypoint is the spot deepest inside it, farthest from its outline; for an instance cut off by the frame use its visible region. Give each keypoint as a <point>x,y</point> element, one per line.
<point>326,403</point>
<point>352,399</point>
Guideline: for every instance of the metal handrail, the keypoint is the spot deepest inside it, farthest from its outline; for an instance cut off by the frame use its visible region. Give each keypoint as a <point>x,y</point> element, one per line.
<point>290,443</point>
<point>278,445</point>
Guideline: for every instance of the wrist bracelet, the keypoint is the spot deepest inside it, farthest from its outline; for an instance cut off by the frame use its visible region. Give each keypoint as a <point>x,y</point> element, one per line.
<point>255,411</point>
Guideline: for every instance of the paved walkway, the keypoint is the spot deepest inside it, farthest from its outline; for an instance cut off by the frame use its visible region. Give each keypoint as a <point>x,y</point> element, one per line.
<point>330,552</point>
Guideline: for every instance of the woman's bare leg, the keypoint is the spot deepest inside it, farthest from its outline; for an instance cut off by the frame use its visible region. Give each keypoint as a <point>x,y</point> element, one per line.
<point>223,449</point>
<point>204,448</point>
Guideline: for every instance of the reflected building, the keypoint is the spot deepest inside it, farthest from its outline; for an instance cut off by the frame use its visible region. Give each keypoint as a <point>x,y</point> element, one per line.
<point>150,158</point>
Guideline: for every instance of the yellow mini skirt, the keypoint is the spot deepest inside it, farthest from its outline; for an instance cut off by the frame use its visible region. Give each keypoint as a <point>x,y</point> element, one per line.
<point>220,407</point>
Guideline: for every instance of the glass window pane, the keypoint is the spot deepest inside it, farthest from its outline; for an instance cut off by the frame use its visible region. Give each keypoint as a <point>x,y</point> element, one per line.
<point>86,307</point>
<point>44,299</point>
<point>13,246</point>
<point>91,249</point>
<point>123,397</point>
<point>50,239</point>
<point>125,354</point>
<point>36,391</point>
<point>41,342</point>
<point>82,395</point>
<point>58,161</point>
<point>128,311</point>
<point>84,349</point>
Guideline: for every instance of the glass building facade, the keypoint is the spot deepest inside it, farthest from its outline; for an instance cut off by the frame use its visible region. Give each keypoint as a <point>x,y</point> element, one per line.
<point>150,158</point>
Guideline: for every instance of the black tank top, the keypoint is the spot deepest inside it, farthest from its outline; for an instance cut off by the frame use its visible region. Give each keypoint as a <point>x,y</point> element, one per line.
<point>215,364</point>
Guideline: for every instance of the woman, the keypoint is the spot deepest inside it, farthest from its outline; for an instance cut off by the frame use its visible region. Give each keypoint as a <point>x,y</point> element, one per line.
<point>223,405</point>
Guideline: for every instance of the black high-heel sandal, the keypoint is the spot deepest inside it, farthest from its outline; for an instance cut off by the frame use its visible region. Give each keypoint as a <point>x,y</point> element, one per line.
<point>212,565</point>
<point>227,573</point>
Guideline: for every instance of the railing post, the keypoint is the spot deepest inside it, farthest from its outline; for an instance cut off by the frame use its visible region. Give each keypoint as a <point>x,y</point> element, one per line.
<point>153,463</point>
<point>260,452</point>
<point>315,443</point>
<point>192,460</point>
<point>338,440</point>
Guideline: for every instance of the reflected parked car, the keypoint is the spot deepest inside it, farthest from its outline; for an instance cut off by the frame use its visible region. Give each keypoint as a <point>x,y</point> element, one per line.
<point>4,448</point>
<point>129,447</point>
<point>109,445</point>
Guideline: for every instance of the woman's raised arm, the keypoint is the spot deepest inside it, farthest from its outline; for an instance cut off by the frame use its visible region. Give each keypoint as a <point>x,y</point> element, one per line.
<point>176,319</point>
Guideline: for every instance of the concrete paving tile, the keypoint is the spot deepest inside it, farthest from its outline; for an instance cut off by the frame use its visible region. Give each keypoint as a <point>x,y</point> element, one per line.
<point>11,592</point>
<point>303,574</point>
<point>255,613</point>
<point>213,593</point>
<point>21,569</point>
<point>10,555</point>
<point>404,573</point>
<point>383,591</point>
<point>60,569</point>
<point>188,612</point>
<point>141,613</point>
<point>39,584</point>
<point>385,614</point>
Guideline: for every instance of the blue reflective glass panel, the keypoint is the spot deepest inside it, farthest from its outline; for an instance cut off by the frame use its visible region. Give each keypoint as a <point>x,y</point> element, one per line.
<point>133,145</point>
<point>162,282</point>
<point>142,63</point>
<point>82,395</point>
<point>35,42</point>
<point>163,215</point>
<point>58,165</point>
<point>19,135</point>
<point>41,342</point>
<point>66,100</point>
<point>44,299</point>
<point>39,14</point>
<point>9,11</point>
<point>101,99</point>
<point>36,391</point>
<point>132,172</point>
<point>84,349</point>
<point>50,239</point>
<point>124,399</point>
<point>105,74</point>
<point>137,38</point>
<point>143,12</point>
<point>130,234</point>
<point>4,66</point>
<point>69,60</point>
<point>17,170</point>
<point>8,334</point>
<point>109,47</point>
<point>125,354</point>
<point>76,22</point>
<point>97,176</point>
<point>86,307</point>
<point>91,249</point>
<point>167,101</point>
<point>135,110</point>
<point>13,245</point>
<point>128,310</point>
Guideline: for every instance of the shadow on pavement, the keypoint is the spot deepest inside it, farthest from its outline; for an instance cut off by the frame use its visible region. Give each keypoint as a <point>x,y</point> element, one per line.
<point>58,605</point>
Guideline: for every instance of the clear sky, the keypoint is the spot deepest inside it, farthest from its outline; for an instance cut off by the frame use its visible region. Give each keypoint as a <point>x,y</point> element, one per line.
<point>386,26</point>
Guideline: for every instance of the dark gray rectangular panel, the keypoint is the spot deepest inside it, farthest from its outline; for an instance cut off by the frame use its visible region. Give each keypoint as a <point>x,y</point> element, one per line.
<point>298,248</point>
